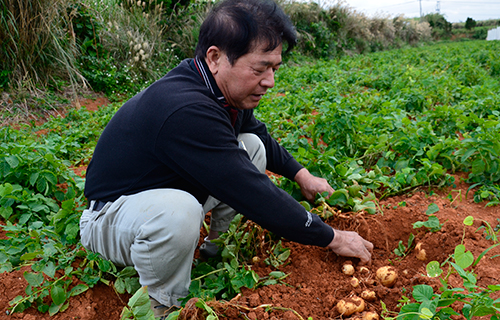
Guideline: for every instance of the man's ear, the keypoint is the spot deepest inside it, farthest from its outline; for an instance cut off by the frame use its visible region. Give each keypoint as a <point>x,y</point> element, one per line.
<point>213,59</point>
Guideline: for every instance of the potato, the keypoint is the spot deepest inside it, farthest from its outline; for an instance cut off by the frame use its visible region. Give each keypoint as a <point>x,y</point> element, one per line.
<point>369,295</point>
<point>354,282</point>
<point>348,269</point>
<point>364,270</point>
<point>346,308</point>
<point>255,260</point>
<point>351,305</point>
<point>360,303</point>
<point>387,276</point>
<point>369,315</point>
<point>421,254</point>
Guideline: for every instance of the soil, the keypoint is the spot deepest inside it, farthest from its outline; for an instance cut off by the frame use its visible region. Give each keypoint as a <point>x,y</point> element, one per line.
<point>315,282</point>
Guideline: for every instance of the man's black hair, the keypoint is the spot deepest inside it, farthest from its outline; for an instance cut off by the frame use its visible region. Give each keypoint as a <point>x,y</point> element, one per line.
<point>237,26</point>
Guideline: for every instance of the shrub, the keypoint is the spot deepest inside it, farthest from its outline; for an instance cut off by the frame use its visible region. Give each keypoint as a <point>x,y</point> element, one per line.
<point>35,46</point>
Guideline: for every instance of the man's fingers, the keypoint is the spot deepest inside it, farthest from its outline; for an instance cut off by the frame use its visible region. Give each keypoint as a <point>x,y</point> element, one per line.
<point>368,245</point>
<point>365,257</point>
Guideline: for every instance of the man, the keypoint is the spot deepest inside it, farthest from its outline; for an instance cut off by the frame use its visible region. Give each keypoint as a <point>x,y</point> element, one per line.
<point>190,143</point>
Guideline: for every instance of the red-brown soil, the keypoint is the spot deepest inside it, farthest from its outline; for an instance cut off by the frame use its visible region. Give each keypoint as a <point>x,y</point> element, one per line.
<point>315,282</point>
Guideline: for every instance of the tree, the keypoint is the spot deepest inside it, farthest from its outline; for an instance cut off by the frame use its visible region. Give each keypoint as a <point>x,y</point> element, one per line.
<point>470,23</point>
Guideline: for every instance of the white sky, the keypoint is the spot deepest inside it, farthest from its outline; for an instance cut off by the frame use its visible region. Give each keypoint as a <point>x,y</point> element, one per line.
<point>453,10</point>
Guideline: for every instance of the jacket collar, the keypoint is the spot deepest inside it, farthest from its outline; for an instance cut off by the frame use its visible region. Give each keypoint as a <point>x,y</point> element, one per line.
<point>201,66</point>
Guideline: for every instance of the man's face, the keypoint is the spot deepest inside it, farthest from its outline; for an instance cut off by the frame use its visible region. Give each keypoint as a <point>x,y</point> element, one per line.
<point>245,82</point>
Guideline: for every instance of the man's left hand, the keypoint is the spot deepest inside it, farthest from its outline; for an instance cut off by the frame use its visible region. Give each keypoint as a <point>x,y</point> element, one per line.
<point>311,185</point>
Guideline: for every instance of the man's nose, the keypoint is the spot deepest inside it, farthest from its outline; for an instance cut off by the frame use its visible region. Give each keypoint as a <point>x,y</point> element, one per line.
<point>268,80</point>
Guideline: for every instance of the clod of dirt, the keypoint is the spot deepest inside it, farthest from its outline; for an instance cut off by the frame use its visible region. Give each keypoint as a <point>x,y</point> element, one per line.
<point>387,276</point>
<point>192,312</point>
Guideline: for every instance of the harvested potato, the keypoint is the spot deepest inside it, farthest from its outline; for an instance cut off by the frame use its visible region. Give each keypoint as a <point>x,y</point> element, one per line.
<point>364,270</point>
<point>360,303</point>
<point>354,282</point>
<point>351,305</point>
<point>369,315</point>
<point>421,254</point>
<point>368,295</point>
<point>348,269</point>
<point>387,276</point>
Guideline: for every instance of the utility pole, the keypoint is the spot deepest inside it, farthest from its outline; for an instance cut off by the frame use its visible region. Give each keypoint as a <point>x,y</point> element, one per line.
<point>420,1</point>
<point>438,6</point>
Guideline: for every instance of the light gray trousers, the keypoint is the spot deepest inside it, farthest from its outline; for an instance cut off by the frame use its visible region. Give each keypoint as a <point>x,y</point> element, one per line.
<point>157,231</point>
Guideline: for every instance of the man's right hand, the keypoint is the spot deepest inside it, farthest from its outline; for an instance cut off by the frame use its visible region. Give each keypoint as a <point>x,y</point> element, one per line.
<point>351,244</point>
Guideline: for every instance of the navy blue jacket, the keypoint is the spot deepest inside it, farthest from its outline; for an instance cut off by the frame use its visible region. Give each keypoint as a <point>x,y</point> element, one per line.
<point>177,133</point>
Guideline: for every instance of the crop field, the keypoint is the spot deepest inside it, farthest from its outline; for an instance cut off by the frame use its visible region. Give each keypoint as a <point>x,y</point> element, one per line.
<point>408,138</point>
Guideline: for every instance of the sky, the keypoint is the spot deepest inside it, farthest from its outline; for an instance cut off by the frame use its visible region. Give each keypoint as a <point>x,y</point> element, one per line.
<point>453,10</point>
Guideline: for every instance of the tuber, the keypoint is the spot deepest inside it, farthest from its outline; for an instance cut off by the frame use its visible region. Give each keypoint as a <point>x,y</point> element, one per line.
<point>369,315</point>
<point>364,270</point>
<point>348,269</point>
<point>368,295</point>
<point>421,254</point>
<point>354,282</point>
<point>387,276</point>
<point>351,305</point>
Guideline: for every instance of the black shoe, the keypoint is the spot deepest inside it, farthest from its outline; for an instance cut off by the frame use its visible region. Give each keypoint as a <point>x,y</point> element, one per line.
<point>208,249</point>
<point>161,311</point>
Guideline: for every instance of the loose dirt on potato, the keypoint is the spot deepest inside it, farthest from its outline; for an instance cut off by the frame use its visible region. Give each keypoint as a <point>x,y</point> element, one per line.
<point>315,282</point>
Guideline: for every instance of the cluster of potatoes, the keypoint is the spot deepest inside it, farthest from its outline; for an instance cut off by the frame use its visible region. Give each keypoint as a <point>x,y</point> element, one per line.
<point>386,276</point>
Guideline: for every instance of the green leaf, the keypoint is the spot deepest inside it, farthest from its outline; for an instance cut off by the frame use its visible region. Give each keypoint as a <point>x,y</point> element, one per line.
<point>78,289</point>
<point>434,269</point>
<point>338,198</point>
<point>58,294</point>
<point>54,308</point>
<point>277,274</point>
<point>463,258</point>
<point>34,178</point>
<point>354,190</point>
<point>12,160</point>
<point>478,166</point>
<point>469,221</point>
<point>127,272</point>
<point>50,177</point>
<point>422,292</point>
<point>104,265</point>
<point>432,208</point>
<point>6,189</point>
<point>120,285</point>
<point>50,269</point>
<point>425,313</point>
<point>42,185</point>
<point>467,154</point>
<point>34,279</point>
<point>30,256</point>
<point>140,298</point>
<point>306,205</point>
